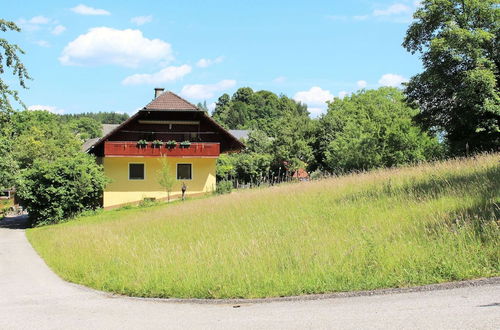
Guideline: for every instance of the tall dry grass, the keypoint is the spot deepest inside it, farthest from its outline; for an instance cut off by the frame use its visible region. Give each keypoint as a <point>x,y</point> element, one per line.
<point>387,228</point>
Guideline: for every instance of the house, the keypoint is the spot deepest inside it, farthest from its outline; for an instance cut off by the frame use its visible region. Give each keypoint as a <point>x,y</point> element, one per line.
<point>131,160</point>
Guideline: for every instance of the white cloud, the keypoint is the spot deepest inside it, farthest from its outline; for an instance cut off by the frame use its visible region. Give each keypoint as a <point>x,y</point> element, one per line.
<point>33,23</point>
<point>204,62</point>
<point>39,20</point>
<point>314,96</point>
<point>395,9</point>
<point>199,91</point>
<point>104,45</point>
<point>58,30</point>
<point>361,83</point>
<point>279,80</point>
<point>86,10</point>
<point>211,107</point>
<point>167,74</point>
<point>397,13</point>
<point>48,108</point>
<point>343,94</point>
<point>141,20</point>
<point>315,111</point>
<point>42,43</point>
<point>393,80</point>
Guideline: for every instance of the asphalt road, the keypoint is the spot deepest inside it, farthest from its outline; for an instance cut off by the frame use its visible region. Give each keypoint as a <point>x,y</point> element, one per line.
<point>33,297</point>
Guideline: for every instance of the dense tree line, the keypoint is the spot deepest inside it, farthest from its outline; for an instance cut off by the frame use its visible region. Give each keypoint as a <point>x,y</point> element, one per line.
<point>368,129</point>
<point>102,117</point>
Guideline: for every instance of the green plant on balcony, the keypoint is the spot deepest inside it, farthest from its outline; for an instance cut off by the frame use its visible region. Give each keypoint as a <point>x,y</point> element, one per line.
<point>157,143</point>
<point>171,144</point>
<point>142,143</point>
<point>185,144</point>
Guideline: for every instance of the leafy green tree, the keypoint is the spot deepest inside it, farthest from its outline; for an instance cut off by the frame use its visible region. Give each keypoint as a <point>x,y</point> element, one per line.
<point>86,128</point>
<point>258,142</point>
<point>9,58</point>
<point>225,168</point>
<point>291,144</point>
<point>166,178</point>
<point>101,117</point>
<point>203,106</point>
<point>458,91</point>
<point>39,135</point>
<point>372,128</point>
<point>56,190</point>
<point>261,110</point>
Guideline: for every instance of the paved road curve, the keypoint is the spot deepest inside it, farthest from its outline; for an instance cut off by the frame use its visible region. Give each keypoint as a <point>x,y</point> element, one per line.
<point>33,297</point>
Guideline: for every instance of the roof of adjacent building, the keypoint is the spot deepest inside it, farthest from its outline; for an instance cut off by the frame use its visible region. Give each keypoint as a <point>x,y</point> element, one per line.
<point>240,133</point>
<point>170,101</point>
<point>108,128</point>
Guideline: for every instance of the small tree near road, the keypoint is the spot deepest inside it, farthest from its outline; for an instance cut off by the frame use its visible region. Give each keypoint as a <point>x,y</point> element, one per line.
<point>166,179</point>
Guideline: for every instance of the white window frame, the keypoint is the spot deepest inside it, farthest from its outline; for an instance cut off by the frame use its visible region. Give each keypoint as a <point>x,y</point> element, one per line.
<point>135,163</point>
<point>177,169</point>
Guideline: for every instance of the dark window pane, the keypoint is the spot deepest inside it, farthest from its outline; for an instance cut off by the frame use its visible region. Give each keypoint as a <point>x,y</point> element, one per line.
<point>183,171</point>
<point>136,171</point>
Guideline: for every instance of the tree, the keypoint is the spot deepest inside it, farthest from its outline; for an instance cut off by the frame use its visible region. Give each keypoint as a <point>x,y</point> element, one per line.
<point>370,129</point>
<point>9,58</point>
<point>39,135</point>
<point>56,190</point>
<point>166,179</point>
<point>86,128</point>
<point>261,110</point>
<point>203,106</point>
<point>458,91</point>
<point>10,55</point>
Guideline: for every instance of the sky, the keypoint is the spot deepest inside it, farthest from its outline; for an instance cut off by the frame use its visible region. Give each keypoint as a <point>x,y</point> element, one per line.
<point>110,55</point>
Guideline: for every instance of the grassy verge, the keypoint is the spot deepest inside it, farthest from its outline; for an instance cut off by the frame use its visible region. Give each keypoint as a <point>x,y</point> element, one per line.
<point>5,204</point>
<point>389,228</point>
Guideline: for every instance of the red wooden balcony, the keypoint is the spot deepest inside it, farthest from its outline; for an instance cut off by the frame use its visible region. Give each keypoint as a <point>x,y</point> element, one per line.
<point>132,149</point>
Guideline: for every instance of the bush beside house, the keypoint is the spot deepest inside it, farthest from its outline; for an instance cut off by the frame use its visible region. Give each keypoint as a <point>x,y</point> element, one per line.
<point>61,189</point>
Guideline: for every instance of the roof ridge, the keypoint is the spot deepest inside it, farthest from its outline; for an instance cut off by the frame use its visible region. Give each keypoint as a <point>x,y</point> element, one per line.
<point>161,102</point>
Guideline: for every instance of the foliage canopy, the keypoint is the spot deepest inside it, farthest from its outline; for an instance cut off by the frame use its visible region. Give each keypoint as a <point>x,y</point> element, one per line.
<point>458,91</point>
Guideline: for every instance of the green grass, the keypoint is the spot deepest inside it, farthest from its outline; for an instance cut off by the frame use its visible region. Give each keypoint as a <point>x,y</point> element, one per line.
<point>388,228</point>
<point>5,204</point>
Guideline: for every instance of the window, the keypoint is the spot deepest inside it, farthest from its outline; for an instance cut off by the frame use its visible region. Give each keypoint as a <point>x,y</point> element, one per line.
<point>136,171</point>
<point>184,172</point>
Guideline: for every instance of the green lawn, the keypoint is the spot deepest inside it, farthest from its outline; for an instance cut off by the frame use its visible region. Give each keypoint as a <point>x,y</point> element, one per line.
<point>388,228</point>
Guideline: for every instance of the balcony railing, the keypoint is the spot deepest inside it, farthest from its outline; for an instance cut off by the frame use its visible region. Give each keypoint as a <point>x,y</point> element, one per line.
<point>133,149</point>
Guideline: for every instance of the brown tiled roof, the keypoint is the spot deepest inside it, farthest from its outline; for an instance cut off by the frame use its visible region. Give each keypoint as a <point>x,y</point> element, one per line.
<point>170,101</point>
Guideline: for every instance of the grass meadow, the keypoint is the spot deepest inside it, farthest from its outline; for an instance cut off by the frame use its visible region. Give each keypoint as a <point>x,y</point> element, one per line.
<point>386,228</point>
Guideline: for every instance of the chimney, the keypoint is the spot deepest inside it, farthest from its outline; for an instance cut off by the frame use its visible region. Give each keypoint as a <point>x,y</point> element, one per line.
<point>158,91</point>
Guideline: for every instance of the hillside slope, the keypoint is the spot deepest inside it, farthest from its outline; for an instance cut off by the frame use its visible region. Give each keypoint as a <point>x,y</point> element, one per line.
<point>388,228</point>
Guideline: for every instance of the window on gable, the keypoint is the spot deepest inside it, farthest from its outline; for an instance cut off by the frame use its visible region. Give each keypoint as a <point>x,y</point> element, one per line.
<point>184,172</point>
<point>136,171</point>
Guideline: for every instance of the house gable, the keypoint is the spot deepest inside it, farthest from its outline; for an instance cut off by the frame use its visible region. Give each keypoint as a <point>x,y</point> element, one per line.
<point>169,117</point>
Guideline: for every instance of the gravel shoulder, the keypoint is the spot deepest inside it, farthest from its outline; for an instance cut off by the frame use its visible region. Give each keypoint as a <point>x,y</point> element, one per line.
<point>32,296</point>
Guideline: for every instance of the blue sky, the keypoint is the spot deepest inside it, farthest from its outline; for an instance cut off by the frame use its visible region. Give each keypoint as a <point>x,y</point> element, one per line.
<point>109,55</point>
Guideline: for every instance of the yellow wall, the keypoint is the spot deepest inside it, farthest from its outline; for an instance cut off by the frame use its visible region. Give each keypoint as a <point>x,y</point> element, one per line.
<point>121,190</point>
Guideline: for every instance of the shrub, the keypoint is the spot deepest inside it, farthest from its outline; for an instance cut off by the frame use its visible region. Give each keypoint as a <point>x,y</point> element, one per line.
<point>54,191</point>
<point>224,187</point>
